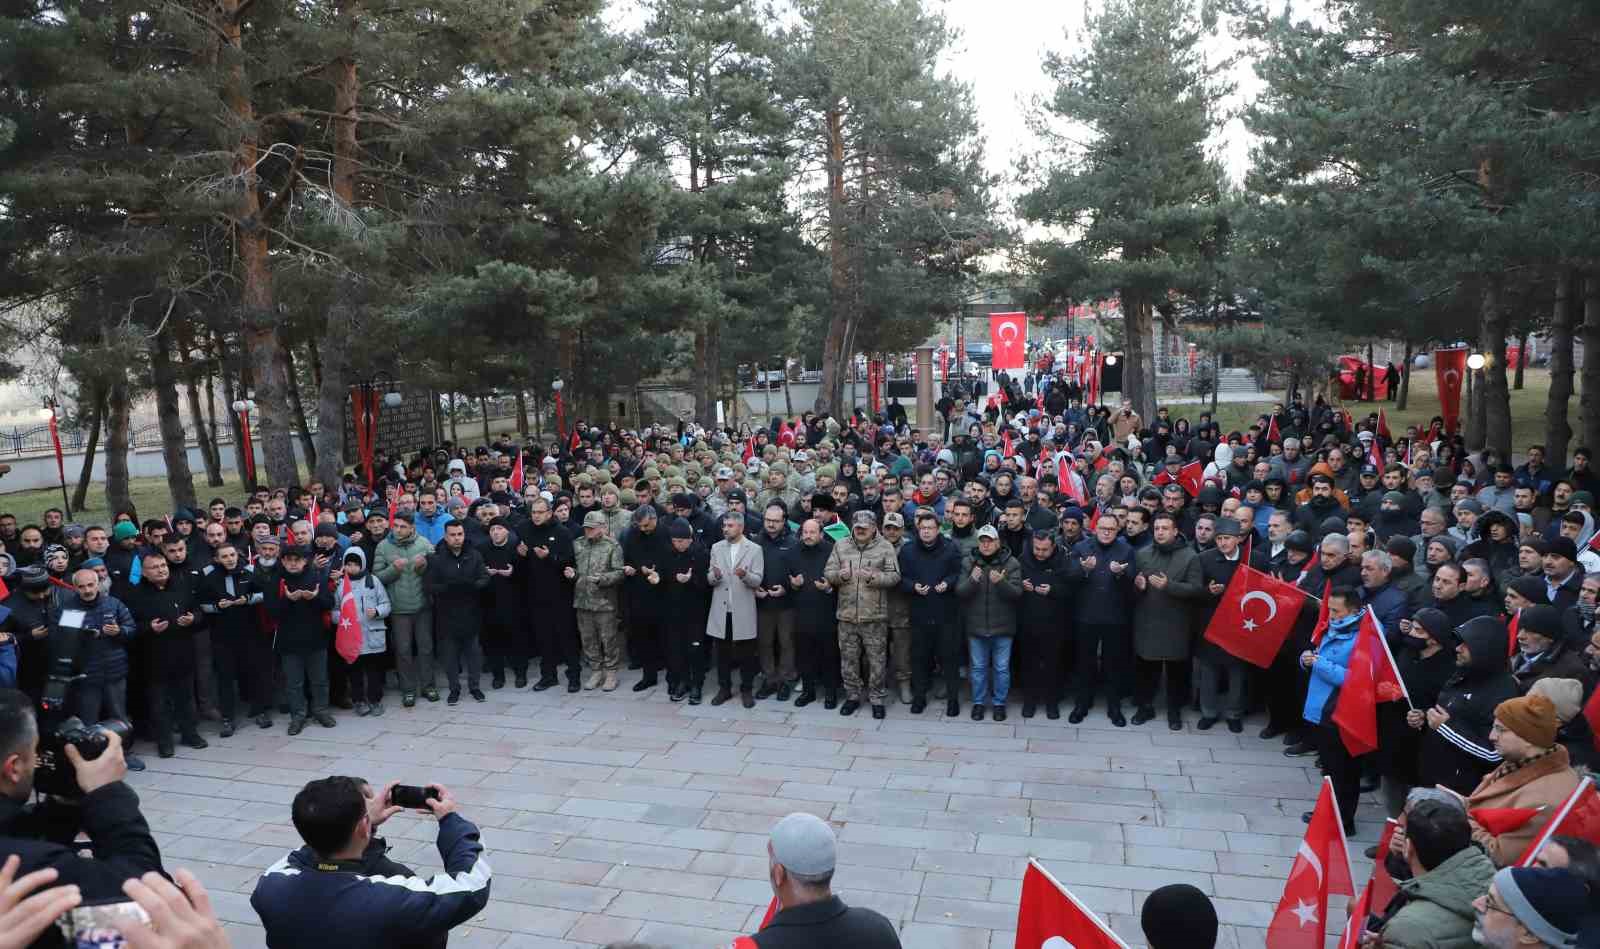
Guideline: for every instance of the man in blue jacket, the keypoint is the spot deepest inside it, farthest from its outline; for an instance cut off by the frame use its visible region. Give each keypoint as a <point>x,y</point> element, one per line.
<point>334,892</point>
<point>930,566</point>
<point>1328,664</point>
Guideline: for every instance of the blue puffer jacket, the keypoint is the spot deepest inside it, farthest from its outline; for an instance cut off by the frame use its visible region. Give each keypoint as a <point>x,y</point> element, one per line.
<point>103,656</point>
<point>1103,598</point>
<point>1333,660</point>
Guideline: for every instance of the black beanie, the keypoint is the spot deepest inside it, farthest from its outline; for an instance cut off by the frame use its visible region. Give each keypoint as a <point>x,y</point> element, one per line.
<point>1179,916</point>
<point>680,529</point>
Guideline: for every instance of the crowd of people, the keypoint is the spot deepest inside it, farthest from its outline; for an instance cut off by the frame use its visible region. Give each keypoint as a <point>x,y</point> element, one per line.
<point>1076,553</point>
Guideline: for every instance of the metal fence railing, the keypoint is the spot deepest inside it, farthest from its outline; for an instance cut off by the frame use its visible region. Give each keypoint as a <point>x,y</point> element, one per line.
<point>17,442</point>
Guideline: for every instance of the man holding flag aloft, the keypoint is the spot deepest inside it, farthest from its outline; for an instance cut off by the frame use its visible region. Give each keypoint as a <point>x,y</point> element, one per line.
<point>1329,663</point>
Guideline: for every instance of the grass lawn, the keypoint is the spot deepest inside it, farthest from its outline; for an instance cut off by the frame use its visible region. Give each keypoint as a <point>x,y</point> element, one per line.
<point>1527,408</point>
<point>150,498</point>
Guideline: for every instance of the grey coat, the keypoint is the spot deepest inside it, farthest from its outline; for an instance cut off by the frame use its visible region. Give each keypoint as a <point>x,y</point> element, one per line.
<point>1161,618</point>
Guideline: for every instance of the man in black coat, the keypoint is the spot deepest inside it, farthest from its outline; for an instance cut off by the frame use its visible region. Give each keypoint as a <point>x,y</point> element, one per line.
<point>802,854</point>
<point>299,603</point>
<point>546,550</point>
<point>683,600</point>
<point>1218,668</point>
<point>455,579</point>
<point>167,609</point>
<point>1456,749</point>
<point>229,596</point>
<point>1101,567</point>
<point>816,634</point>
<point>1042,623</point>
<point>644,550</point>
<point>930,566</point>
<point>774,605</point>
<point>505,620</point>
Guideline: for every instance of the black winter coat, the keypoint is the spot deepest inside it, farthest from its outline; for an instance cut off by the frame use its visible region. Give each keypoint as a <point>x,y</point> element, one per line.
<point>814,610</point>
<point>547,588</point>
<point>504,596</point>
<point>930,566</point>
<point>302,625</point>
<point>456,581</point>
<point>1459,753</point>
<point>1103,598</point>
<point>777,567</point>
<point>1040,614</point>
<point>234,623</point>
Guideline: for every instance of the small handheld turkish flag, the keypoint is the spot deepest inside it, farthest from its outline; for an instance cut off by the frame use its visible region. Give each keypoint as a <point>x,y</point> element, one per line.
<point>1579,817</point>
<point>1321,868</point>
<point>1375,896</point>
<point>347,639</point>
<point>517,475</point>
<point>1049,917</point>
<point>1370,678</point>
<point>1248,631</point>
<point>1193,477</point>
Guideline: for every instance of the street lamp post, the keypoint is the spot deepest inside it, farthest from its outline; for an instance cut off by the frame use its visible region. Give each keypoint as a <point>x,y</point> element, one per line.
<point>365,416</point>
<point>243,408</point>
<point>561,411</point>
<point>49,413</point>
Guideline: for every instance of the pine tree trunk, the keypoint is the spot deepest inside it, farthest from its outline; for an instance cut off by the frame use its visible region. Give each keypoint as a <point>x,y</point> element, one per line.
<point>455,439</point>
<point>1138,356</point>
<point>1589,383</point>
<point>1405,380</point>
<point>1522,359</point>
<point>119,411</point>
<point>1496,393</point>
<point>203,439</point>
<point>174,440</point>
<point>788,400</point>
<point>97,411</point>
<point>232,389</point>
<point>522,413</point>
<point>700,385</point>
<point>332,394</point>
<point>835,358</point>
<point>1557,428</point>
<point>298,407</point>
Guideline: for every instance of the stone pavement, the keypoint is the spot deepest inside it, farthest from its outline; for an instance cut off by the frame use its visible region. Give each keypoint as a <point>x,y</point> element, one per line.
<point>622,816</point>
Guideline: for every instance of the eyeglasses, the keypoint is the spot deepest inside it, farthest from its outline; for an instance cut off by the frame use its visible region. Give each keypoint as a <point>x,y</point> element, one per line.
<point>1492,902</point>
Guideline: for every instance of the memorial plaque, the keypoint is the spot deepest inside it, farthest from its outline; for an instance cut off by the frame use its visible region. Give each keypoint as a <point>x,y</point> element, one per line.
<point>402,429</point>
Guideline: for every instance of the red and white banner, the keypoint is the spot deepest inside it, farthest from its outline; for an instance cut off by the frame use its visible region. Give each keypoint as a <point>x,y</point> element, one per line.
<point>347,638</point>
<point>1008,332</point>
<point>1449,369</point>
<point>1321,869</point>
<point>1050,916</point>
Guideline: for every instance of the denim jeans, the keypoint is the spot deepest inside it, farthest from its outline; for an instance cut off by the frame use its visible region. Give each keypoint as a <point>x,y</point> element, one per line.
<point>299,669</point>
<point>984,653</point>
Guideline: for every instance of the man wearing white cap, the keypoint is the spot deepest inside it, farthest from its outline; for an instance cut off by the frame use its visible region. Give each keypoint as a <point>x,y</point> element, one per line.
<point>801,853</point>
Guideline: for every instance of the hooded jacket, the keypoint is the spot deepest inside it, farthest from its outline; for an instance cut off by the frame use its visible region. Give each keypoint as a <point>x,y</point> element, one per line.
<point>991,607</point>
<point>1329,668</point>
<point>1438,912</point>
<point>371,595</point>
<point>406,591</point>
<point>1458,753</point>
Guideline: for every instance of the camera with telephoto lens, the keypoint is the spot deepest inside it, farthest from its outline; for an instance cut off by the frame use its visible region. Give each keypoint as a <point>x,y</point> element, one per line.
<point>54,774</point>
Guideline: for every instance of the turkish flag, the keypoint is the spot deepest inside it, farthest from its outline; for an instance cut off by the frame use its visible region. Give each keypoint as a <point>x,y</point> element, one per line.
<point>1252,633</point>
<point>1008,333</point>
<point>1591,714</point>
<point>1375,896</point>
<point>347,639</point>
<point>1375,454</point>
<point>1273,435</point>
<point>1370,678</point>
<point>1511,634</point>
<point>315,514</point>
<point>517,474</point>
<point>1504,820</point>
<point>1050,916</point>
<point>1193,477</point>
<point>1383,427</point>
<point>1322,615</point>
<point>1321,868</point>
<point>1579,817</point>
<point>1449,365</point>
<point>1070,482</point>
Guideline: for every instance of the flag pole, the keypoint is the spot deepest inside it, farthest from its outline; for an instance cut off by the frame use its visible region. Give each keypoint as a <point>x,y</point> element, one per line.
<point>1344,842</point>
<point>1034,862</point>
<point>1555,822</point>
<point>1389,654</point>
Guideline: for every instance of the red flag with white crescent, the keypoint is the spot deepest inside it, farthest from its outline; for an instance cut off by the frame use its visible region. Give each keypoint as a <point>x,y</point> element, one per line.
<point>1579,816</point>
<point>347,639</point>
<point>1048,915</point>
<point>517,474</point>
<point>1008,333</point>
<point>1370,678</point>
<point>1321,869</point>
<point>1250,632</point>
<point>1449,367</point>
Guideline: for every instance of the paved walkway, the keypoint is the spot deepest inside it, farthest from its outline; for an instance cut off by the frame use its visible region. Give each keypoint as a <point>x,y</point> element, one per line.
<point>621,816</point>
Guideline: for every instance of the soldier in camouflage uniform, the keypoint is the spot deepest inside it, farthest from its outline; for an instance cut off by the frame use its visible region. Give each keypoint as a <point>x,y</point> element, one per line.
<point>597,569</point>
<point>863,568</point>
<point>894,531</point>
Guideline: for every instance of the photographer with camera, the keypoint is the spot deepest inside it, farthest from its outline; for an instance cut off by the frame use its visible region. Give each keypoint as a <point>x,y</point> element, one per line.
<point>108,811</point>
<point>96,628</point>
<point>339,890</point>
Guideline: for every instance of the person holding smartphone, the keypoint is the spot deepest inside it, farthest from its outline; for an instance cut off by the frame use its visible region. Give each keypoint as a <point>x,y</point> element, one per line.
<point>335,891</point>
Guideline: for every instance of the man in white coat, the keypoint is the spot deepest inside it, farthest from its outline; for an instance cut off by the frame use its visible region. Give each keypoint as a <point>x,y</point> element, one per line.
<point>734,576</point>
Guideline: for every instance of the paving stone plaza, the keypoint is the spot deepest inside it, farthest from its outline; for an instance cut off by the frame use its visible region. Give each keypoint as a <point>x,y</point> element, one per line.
<point>620,816</point>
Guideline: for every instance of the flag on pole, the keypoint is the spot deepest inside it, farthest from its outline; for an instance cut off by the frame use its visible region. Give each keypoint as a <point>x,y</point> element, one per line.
<point>1322,615</point>
<point>1273,435</point>
<point>1383,427</point>
<point>1193,477</point>
<point>1371,677</point>
<point>1504,820</point>
<point>1579,817</point>
<point>518,476</point>
<point>314,514</point>
<point>1321,869</point>
<point>1050,916</point>
<point>347,639</point>
<point>1375,896</point>
<point>1254,634</point>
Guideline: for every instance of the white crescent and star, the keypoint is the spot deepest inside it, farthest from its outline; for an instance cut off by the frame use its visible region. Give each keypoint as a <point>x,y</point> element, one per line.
<point>1307,913</point>
<point>1056,942</point>
<point>1272,607</point>
<point>1452,372</point>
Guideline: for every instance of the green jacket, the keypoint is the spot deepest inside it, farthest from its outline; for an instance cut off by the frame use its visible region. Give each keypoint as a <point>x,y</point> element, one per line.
<point>406,593</point>
<point>599,567</point>
<point>1438,913</point>
<point>990,608</point>
<point>1161,618</point>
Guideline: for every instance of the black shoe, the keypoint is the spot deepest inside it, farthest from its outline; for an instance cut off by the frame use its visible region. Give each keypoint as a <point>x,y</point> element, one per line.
<point>263,720</point>
<point>1305,817</point>
<point>767,690</point>
<point>193,740</point>
<point>1298,750</point>
<point>1115,717</point>
<point>830,698</point>
<point>477,695</point>
<point>784,691</point>
<point>133,761</point>
<point>999,713</point>
<point>1350,829</point>
<point>454,698</point>
<point>324,719</point>
<point>1205,723</point>
<point>977,711</point>
<point>343,703</point>
<point>722,696</point>
<point>806,697</point>
<point>430,693</point>
<point>694,696</point>
<point>543,684</point>
<point>952,707</point>
<point>1028,709</point>
<point>297,724</point>
<point>408,699</point>
<point>878,711</point>
<point>1371,852</point>
<point>573,685</point>
<point>1079,713</point>
<point>166,750</point>
<point>1052,711</point>
<point>676,693</point>
<point>227,729</point>
<point>648,682</point>
<point>849,707</point>
<point>918,705</point>
<point>746,698</point>
<point>497,682</point>
<point>283,709</point>
<point>1235,725</point>
<point>1270,732</point>
<point>1142,714</point>
<point>522,681</point>
<point>1175,722</point>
